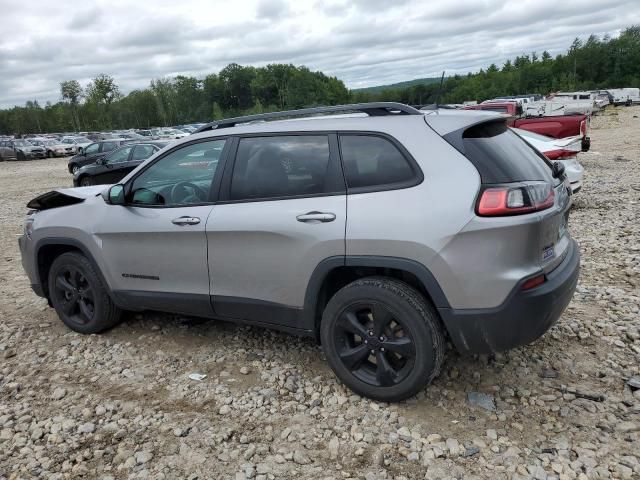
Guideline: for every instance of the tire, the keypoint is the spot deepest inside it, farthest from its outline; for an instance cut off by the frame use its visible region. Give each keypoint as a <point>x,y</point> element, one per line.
<point>74,168</point>
<point>20,156</point>
<point>86,182</point>
<point>79,296</point>
<point>50,154</point>
<point>404,364</point>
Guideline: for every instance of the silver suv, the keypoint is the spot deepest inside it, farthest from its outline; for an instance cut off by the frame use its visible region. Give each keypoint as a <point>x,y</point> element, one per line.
<point>379,229</point>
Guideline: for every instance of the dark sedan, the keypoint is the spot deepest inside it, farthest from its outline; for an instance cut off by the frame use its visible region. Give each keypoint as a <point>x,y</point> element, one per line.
<point>94,152</point>
<point>116,165</point>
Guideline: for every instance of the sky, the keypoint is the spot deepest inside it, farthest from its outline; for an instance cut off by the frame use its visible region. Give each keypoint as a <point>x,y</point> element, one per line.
<point>362,42</point>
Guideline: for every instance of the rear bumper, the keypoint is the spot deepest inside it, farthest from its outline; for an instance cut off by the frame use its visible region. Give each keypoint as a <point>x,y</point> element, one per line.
<point>522,318</point>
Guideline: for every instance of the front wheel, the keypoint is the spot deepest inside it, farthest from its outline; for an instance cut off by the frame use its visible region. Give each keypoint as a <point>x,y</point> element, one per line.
<point>86,182</point>
<point>74,168</point>
<point>382,339</point>
<point>79,296</point>
<point>50,154</point>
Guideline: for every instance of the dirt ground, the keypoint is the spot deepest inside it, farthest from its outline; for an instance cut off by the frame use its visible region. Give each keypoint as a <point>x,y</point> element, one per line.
<point>120,405</point>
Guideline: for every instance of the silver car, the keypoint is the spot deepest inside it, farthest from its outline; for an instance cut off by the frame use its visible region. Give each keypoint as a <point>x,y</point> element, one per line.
<point>378,229</point>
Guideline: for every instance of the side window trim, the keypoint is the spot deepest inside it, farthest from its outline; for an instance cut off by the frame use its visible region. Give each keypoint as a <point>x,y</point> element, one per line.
<point>334,167</point>
<point>418,176</point>
<point>215,184</point>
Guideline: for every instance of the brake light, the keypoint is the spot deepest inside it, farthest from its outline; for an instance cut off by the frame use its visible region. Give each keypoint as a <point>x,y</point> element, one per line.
<point>515,199</point>
<point>559,154</point>
<point>534,282</point>
<point>583,127</point>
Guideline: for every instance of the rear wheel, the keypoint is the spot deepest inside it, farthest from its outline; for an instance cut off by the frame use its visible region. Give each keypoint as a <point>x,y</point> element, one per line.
<point>50,154</point>
<point>20,156</point>
<point>78,295</point>
<point>382,339</point>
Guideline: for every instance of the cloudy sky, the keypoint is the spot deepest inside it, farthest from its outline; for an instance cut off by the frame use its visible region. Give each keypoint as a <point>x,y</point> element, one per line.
<point>362,42</point>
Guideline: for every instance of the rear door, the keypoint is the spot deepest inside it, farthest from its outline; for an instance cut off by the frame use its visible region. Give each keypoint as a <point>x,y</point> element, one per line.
<point>282,211</point>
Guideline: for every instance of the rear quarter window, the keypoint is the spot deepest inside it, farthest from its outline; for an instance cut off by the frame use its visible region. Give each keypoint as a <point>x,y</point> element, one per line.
<point>374,161</point>
<point>500,155</point>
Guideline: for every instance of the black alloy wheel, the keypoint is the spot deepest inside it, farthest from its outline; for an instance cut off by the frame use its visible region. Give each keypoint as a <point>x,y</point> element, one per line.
<point>75,295</point>
<point>373,344</point>
<point>78,294</point>
<point>382,338</point>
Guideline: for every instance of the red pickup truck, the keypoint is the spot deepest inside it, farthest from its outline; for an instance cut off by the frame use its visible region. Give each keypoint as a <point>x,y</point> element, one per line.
<point>560,126</point>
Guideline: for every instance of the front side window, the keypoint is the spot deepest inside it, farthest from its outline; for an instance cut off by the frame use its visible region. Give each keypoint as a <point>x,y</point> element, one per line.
<point>93,148</point>
<point>119,156</point>
<point>280,166</point>
<point>183,177</point>
<point>370,161</point>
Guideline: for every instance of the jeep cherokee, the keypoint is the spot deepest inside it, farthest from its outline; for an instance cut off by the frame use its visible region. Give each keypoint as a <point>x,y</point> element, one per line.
<point>379,229</point>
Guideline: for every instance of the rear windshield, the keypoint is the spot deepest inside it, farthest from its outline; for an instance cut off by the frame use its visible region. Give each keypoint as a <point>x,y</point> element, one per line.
<point>501,156</point>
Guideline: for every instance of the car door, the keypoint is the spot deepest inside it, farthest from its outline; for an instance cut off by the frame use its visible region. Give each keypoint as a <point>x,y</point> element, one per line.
<point>113,164</point>
<point>155,245</point>
<point>282,211</point>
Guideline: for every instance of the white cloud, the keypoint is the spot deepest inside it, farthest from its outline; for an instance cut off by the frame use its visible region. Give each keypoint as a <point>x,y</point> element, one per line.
<point>363,42</point>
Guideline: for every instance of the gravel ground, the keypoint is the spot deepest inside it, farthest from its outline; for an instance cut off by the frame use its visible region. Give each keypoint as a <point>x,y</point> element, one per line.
<point>121,405</point>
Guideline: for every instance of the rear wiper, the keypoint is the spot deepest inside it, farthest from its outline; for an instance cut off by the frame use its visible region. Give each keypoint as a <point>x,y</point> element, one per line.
<point>557,169</point>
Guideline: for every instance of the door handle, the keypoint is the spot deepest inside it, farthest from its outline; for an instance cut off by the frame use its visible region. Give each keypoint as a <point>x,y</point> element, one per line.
<point>316,217</point>
<point>186,220</point>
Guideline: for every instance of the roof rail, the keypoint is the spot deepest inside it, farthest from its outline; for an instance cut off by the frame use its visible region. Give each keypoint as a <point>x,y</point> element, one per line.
<point>374,109</point>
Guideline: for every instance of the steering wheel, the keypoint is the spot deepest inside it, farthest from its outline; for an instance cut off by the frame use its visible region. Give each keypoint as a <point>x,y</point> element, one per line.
<point>180,193</point>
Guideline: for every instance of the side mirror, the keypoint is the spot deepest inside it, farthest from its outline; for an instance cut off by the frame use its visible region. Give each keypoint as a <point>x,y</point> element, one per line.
<point>101,161</point>
<point>114,195</point>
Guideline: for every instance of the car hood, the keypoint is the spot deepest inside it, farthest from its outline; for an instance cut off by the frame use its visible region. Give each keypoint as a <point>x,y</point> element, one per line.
<point>64,196</point>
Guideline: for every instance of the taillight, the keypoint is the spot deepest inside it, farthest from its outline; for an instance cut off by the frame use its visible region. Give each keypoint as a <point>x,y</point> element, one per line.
<point>515,199</point>
<point>559,154</point>
<point>583,127</point>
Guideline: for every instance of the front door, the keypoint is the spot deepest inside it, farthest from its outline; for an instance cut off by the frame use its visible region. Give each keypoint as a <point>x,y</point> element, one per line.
<point>155,245</point>
<point>282,211</point>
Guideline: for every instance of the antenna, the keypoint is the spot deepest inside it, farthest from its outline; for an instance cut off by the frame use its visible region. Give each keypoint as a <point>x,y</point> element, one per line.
<point>434,106</point>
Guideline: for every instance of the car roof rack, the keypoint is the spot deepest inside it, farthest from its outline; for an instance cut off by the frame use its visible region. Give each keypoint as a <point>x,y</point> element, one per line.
<point>373,109</point>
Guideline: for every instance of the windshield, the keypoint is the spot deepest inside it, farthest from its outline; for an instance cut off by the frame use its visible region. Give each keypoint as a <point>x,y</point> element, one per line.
<point>81,140</point>
<point>22,143</point>
<point>49,142</point>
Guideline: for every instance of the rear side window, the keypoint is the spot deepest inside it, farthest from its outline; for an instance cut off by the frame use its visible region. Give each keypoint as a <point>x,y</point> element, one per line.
<point>501,156</point>
<point>280,166</point>
<point>371,161</point>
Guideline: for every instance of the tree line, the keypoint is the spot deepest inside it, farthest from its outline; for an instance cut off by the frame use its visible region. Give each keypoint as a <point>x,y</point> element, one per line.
<point>237,90</point>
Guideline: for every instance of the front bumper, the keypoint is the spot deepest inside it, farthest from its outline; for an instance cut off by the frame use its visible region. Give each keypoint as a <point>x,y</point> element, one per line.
<point>522,318</point>
<point>28,263</point>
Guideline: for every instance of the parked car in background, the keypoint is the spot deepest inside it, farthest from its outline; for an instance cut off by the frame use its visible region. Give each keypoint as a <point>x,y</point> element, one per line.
<point>303,225</point>
<point>562,150</point>
<point>129,135</point>
<point>93,152</point>
<point>560,126</point>
<point>54,148</point>
<point>97,136</point>
<point>7,152</point>
<point>79,143</point>
<point>171,133</point>
<point>148,134</point>
<point>23,149</point>
<point>114,166</point>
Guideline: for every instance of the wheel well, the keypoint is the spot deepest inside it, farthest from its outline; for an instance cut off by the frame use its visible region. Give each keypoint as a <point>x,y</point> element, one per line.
<point>341,276</point>
<point>46,255</point>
